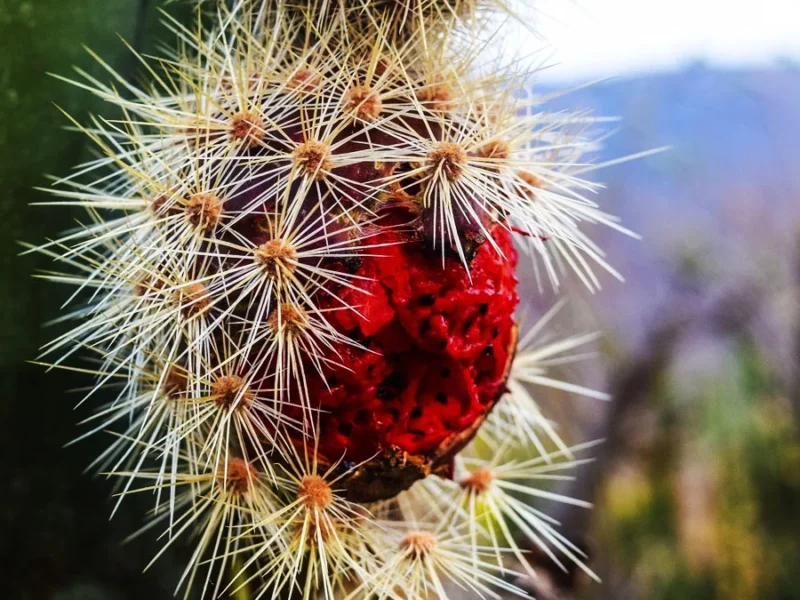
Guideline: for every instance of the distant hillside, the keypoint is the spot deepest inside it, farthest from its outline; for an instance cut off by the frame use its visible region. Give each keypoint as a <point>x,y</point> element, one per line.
<point>729,189</point>
<point>726,128</point>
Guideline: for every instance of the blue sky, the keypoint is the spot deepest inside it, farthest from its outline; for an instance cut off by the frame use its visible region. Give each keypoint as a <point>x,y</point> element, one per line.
<point>590,38</point>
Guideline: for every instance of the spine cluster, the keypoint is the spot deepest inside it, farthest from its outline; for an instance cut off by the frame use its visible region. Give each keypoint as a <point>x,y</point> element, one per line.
<point>306,199</point>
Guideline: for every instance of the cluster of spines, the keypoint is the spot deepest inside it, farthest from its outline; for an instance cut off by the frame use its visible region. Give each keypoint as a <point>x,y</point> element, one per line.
<point>205,332</point>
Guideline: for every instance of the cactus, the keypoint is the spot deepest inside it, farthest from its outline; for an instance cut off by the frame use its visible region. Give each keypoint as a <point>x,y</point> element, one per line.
<point>297,283</point>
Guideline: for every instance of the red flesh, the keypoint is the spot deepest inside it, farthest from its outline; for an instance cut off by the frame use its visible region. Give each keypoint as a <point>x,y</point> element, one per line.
<point>437,349</point>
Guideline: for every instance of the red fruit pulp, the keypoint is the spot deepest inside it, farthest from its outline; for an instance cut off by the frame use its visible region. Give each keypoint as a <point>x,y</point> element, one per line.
<point>435,339</point>
<point>437,346</point>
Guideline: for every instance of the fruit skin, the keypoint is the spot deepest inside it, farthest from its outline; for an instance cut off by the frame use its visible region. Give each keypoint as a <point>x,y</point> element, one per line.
<point>438,349</point>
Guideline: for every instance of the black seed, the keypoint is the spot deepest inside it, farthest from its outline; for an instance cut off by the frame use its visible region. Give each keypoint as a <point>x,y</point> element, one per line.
<point>495,332</point>
<point>426,300</point>
<point>441,398</point>
<point>384,393</point>
<point>489,350</point>
<point>416,412</point>
<point>396,380</point>
<point>345,429</point>
<point>483,308</point>
<point>445,372</point>
<point>417,432</point>
<point>362,417</point>
<point>424,327</point>
<point>468,324</point>
<point>395,414</point>
<point>352,263</point>
<point>333,380</point>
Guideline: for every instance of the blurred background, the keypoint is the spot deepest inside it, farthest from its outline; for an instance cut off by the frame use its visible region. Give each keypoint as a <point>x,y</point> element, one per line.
<point>697,486</point>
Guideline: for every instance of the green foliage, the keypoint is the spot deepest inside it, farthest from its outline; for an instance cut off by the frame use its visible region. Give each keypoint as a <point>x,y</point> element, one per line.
<point>40,37</point>
<point>705,509</point>
<point>54,529</point>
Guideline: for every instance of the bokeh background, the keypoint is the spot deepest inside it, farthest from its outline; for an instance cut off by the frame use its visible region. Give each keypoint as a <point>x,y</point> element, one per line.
<point>697,486</point>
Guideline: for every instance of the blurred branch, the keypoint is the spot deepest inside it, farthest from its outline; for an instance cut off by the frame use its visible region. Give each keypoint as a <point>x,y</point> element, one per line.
<point>794,383</point>
<point>634,381</point>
